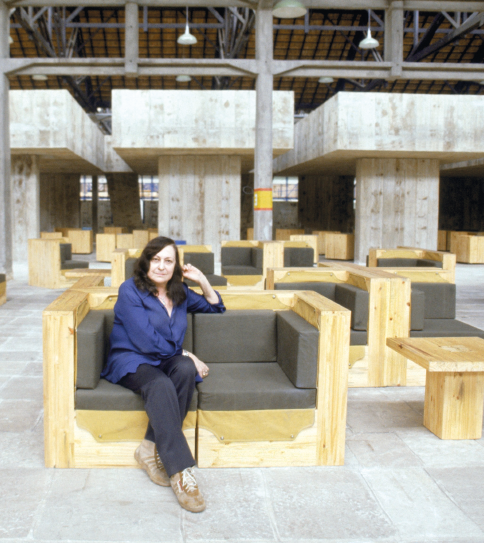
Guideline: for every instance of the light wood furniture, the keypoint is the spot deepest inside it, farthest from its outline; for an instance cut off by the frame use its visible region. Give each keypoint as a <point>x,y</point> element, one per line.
<point>81,241</point>
<point>340,246</point>
<point>140,238</point>
<point>371,365</point>
<point>310,241</point>
<point>3,288</point>
<point>250,233</point>
<point>443,240</point>
<point>115,230</point>
<point>454,390</point>
<point>468,248</point>
<point>322,239</point>
<point>69,445</point>
<point>105,245</point>
<point>125,241</point>
<point>51,235</point>
<point>284,234</point>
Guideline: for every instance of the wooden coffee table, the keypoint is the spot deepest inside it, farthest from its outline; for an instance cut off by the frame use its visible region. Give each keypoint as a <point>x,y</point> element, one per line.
<point>454,389</point>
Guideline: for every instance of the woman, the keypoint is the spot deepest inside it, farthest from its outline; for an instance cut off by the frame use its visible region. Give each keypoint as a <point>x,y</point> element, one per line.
<point>146,356</point>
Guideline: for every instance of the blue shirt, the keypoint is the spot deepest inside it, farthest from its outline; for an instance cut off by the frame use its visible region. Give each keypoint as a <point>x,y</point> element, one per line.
<point>144,333</point>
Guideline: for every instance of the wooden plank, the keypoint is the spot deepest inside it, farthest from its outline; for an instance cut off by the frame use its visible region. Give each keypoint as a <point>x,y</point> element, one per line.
<point>81,241</point>
<point>51,235</point>
<point>45,263</point>
<point>125,241</point>
<point>89,281</point>
<point>3,292</point>
<point>340,246</point>
<point>442,240</point>
<point>76,273</point>
<point>322,239</point>
<point>118,263</point>
<point>250,233</point>
<point>140,238</point>
<point>105,245</point>
<point>115,230</point>
<point>272,255</point>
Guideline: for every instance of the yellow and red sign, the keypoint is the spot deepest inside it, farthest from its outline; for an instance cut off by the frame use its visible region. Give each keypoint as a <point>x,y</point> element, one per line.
<point>263,199</point>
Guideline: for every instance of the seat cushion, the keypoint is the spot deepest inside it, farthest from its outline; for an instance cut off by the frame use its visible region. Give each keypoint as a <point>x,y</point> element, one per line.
<point>129,267</point>
<point>65,251</point>
<point>3,278</point>
<point>203,261</point>
<point>298,257</point>
<point>74,264</point>
<point>110,397</point>
<point>297,349</point>
<point>356,300</point>
<point>439,299</point>
<point>447,328</point>
<point>417,314</point>
<point>241,270</point>
<point>426,263</point>
<point>325,289</point>
<point>396,262</point>
<point>214,280</point>
<point>250,387</point>
<point>235,336</point>
<point>236,256</point>
<point>358,337</point>
<point>90,350</point>
<point>257,258</point>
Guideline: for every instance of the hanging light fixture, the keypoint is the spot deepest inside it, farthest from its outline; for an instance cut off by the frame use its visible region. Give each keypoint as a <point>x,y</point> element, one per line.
<point>187,38</point>
<point>39,77</point>
<point>289,9</point>
<point>326,79</point>
<point>183,78</point>
<point>368,42</point>
<point>10,40</point>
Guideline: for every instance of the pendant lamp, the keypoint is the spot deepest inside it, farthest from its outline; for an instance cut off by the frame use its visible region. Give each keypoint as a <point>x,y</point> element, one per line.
<point>39,77</point>
<point>187,38</point>
<point>289,9</point>
<point>183,78</point>
<point>326,79</point>
<point>368,42</point>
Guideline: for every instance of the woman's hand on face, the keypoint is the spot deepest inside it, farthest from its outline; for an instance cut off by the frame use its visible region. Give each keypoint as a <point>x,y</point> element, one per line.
<point>192,273</point>
<point>202,368</point>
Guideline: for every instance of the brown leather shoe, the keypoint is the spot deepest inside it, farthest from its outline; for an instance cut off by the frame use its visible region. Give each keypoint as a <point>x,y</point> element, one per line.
<point>186,490</point>
<point>148,458</point>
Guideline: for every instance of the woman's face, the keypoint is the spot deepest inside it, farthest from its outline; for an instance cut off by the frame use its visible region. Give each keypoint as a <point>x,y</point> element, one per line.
<point>162,266</point>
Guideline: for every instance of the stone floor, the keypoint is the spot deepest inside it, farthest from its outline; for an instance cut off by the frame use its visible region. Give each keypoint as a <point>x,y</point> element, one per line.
<point>400,483</point>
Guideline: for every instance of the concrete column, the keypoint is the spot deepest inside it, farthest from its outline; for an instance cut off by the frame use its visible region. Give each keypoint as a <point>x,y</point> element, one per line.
<point>94,206</point>
<point>5,216</point>
<point>199,199</point>
<point>123,191</point>
<point>397,203</point>
<point>326,202</point>
<point>59,201</point>
<point>263,124</point>
<point>25,204</point>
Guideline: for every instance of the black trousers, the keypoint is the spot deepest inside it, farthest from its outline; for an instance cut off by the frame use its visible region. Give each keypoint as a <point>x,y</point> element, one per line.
<point>167,391</point>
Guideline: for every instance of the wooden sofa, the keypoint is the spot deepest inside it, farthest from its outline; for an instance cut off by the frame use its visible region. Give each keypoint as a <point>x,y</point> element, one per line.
<point>340,246</point>
<point>468,247</point>
<point>380,306</point>
<point>299,420</point>
<point>322,239</point>
<point>3,288</point>
<point>80,240</point>
<point>51,264</point>
<point>201,256</point>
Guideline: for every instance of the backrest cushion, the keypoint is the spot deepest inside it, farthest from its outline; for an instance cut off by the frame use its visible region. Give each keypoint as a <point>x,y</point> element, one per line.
<point>298,257</point>
<point>188,341</point>
<point>65,252</point>
<point>236,256</point>
<point>397,262</point>
<point>129,267</point>
<point>3,278</point>
<point>325,289</point>
<point>235,336</point>
<point>417,314</point>
<point>297,349</point>
<point>256,258</point>
<point>439,299</point>
<point>425,263</point>
<point>203,261</point>
<point>356,300</point>
<point>90,350</point>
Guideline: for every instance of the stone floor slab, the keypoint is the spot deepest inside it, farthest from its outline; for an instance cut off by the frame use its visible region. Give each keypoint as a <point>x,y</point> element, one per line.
<point>19,415</point>
<point>375,416</point>
<point>384,450</point>
<point>23,388</point>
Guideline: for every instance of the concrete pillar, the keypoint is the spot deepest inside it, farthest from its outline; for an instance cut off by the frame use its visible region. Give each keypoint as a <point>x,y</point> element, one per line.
<point>199,199</point>
<point>59,201</point>
<point>5,217</point>
<point>326,202</point>
<point>94,206</point>
<point>25,204</point>
<point>263,124</point>
<point>123,191</point>
<point>397,203</point>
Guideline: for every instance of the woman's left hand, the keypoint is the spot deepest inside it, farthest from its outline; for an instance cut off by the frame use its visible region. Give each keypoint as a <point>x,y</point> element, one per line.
<point>192,273</point>
<point>202,368</point>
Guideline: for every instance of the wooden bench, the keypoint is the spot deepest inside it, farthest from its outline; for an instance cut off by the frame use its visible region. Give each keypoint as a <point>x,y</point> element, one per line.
<point>3,288</point>
<point>468,247</point>
<point>78,437</point>
<point>380,304</point>
<point>340,246</point>
<point>454,389</point>
<point>322,239</point>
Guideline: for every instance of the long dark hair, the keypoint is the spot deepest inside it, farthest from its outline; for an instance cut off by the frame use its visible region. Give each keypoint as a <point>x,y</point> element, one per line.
<point>174,288</point>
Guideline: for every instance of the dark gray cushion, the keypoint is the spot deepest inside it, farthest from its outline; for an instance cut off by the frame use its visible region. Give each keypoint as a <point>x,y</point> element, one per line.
<point>298,257</point>
<point>250,387</point>
<point>257,258</point>
<point>297,349</point>
<point>188,341</point>
<point>417,314</point>
<point>3,278</point>
<point>74,264</point>
<point>358,337</point>
<point>325,289</point>
<point>129,267</point>
<point>235,336</point>
<point>396,262</point>
<point>439,299</point>
<point>241,270</point>
<point>203,261</point>
<point>90,350</point>
<point>109,397</point>
<point>236,256</point>
<point>356,300</point>
<point>65,251</point>
<point>447,328</point>
<point>425,263</point>
<point>214,280</point>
